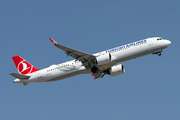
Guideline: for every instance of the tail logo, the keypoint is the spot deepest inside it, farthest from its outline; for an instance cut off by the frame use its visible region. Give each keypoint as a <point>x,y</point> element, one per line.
<point>24,67</point>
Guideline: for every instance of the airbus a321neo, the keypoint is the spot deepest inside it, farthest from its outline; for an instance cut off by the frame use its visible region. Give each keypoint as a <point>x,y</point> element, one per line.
<point>97,64</point>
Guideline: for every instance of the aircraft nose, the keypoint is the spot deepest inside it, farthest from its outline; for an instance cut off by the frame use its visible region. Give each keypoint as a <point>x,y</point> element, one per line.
<point>168,43</point>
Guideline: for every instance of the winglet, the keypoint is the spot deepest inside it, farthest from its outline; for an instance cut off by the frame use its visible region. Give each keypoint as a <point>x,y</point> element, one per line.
<point>93,75</point>
<point>54,42</point>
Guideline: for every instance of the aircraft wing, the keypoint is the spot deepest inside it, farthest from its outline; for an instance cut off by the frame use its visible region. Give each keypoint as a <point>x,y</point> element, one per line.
<point>97,76</point>
<point>85,58</point>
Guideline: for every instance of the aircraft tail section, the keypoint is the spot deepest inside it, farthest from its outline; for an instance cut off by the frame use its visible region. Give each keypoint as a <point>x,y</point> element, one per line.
<point>23,66</point>
<point>19,76</point>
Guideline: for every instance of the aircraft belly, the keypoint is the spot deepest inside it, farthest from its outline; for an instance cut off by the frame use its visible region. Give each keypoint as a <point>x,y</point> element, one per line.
<point>64,76</point>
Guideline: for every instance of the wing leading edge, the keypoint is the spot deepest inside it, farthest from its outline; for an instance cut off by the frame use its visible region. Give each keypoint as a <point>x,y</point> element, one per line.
<point>85,58</point>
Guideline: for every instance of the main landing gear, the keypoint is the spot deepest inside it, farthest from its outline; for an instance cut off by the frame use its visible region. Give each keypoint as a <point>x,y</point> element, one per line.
<point>94,69</point>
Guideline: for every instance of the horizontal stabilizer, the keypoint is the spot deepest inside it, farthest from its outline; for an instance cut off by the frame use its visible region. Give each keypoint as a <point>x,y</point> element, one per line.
<point>19,76</point>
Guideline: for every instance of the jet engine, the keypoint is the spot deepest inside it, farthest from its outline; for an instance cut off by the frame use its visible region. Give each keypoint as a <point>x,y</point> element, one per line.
<point>116,70</point>
<point>103,59</point>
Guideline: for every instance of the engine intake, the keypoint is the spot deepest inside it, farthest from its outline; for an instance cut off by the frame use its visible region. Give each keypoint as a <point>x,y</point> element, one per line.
<point>116,70</point>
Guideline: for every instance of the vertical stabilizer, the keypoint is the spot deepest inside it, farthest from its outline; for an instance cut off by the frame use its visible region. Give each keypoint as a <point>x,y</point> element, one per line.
<point>23,66</point>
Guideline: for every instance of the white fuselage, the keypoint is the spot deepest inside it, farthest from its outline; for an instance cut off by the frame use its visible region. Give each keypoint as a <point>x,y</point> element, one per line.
<point>118,54</point>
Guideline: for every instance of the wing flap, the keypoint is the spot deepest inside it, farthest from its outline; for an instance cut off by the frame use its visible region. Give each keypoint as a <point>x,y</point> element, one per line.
<point>25,84</point>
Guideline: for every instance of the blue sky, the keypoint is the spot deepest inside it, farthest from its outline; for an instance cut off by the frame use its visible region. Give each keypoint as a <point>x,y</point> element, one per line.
<point>149,89</point>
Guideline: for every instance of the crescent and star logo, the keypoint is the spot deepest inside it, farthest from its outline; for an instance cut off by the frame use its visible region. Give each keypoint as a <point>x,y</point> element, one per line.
<point>24,67</point>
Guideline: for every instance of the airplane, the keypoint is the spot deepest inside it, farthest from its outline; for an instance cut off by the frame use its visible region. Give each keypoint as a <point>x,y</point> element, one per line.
<point>98,64</point>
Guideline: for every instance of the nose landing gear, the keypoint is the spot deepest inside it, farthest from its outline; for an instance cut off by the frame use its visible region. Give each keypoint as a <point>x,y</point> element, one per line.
<point>157,52</point>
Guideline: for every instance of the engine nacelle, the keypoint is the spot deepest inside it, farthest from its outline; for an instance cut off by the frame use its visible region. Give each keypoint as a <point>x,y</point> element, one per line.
<point>116,70</point>
<point>103,59</point>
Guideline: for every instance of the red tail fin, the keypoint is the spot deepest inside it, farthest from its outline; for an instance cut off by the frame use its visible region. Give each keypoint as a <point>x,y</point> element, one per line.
<point>23,66</point>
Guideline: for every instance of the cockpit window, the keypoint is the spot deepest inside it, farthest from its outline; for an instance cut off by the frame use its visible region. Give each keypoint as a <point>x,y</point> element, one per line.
<point>159,39</point>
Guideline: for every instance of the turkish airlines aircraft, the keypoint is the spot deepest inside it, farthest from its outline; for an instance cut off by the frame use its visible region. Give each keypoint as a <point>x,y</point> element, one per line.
<point>98,64</point>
